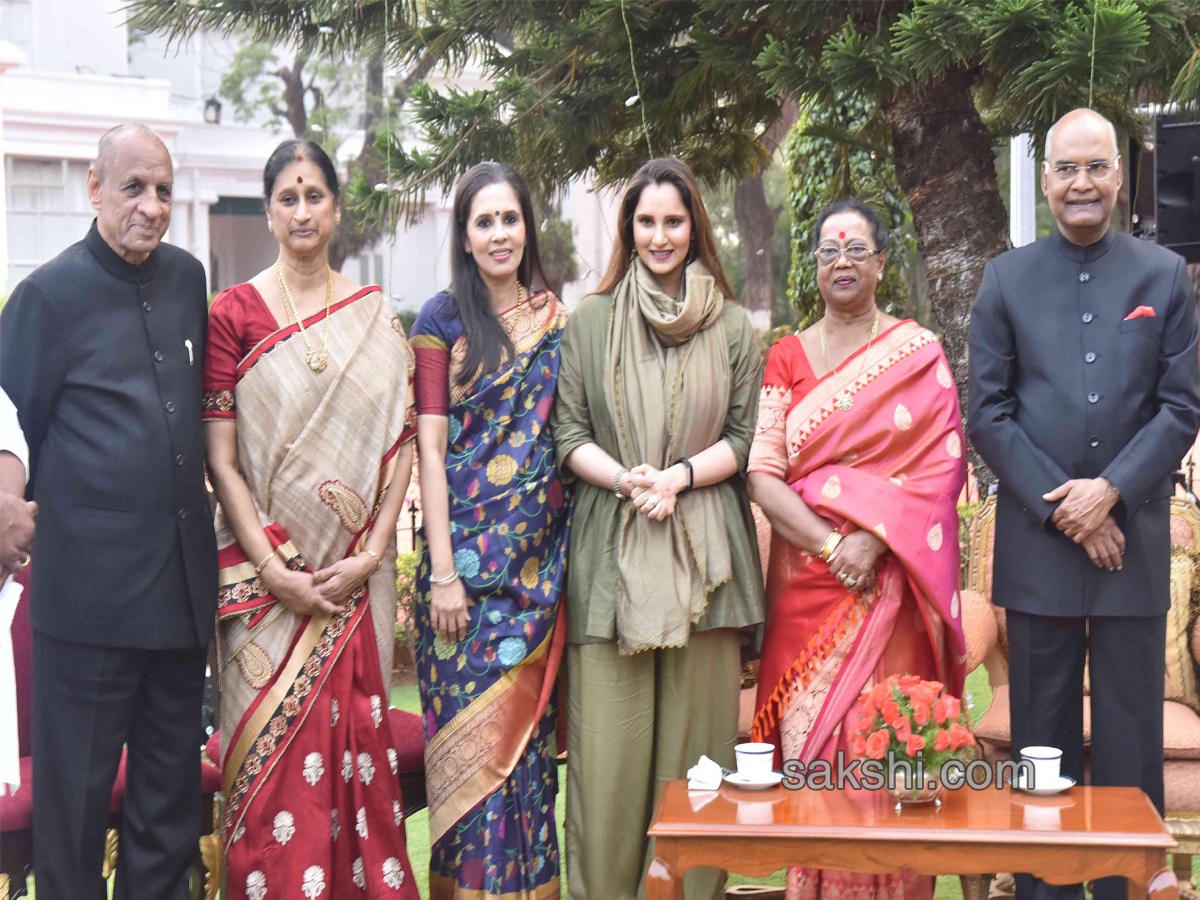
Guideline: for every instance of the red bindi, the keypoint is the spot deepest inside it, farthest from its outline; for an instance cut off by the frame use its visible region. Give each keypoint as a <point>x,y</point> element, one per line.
<point>841,235</point>
<point>299,180</point>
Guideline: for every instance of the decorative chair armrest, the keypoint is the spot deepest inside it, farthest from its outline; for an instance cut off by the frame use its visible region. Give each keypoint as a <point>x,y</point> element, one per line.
<point>1195,640</point>
<point>979,627</point>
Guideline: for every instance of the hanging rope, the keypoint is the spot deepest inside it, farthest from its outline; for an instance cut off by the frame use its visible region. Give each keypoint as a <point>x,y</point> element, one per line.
<point>1092,76</point>
<point>636,85</point>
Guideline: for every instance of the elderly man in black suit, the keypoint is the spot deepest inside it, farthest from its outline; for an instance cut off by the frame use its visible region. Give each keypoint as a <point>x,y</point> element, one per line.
<point>1084,397</point>
<point>100,351</point>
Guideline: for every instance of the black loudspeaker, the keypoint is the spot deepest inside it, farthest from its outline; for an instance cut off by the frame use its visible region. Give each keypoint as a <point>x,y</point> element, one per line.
<point>1165,185</point>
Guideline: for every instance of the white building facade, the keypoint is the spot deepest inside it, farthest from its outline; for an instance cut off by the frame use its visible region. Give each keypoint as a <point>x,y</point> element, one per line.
<point>70,72</point>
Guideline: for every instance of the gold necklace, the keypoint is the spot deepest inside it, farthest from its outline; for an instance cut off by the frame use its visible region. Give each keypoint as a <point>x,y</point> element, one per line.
<point>317,359</point>
<point>847,400</point>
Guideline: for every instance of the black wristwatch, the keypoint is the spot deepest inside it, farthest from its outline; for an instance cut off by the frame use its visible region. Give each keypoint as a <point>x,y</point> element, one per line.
<point>683,461</point>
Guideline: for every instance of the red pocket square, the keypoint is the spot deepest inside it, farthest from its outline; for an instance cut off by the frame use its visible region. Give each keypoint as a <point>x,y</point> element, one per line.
<point>1141,312</point>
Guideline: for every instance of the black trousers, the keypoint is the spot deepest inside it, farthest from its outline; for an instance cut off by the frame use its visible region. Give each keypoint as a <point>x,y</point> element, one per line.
<point>1045,675</point>
<point>88,702</point>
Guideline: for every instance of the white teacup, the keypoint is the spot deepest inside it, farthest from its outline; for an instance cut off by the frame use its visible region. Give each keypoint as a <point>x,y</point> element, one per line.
<point>754,760</point>
<point>1046,764</point>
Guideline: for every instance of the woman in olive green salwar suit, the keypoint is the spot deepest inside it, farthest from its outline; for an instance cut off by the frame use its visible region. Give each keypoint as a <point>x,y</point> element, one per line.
<point>655,412</point>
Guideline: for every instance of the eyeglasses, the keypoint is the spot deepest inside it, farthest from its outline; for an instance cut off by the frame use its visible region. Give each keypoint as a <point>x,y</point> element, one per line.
<point>827,256</point>
<point>1096,171</point>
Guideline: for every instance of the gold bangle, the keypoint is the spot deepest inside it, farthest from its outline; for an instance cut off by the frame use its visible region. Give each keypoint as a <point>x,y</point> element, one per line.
<point>258,570</point>
<point>374,556</point>
<point>830,545</point>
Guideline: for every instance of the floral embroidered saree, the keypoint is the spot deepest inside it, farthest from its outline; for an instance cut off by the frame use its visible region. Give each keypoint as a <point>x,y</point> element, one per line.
<point>490,756</point>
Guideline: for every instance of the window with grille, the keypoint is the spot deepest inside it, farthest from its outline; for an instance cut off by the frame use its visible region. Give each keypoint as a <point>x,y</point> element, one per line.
<point>48,210</point>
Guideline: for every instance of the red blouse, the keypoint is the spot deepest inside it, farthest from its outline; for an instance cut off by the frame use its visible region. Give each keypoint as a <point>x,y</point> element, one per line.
<point>237,321</point>
<point>787,378</point>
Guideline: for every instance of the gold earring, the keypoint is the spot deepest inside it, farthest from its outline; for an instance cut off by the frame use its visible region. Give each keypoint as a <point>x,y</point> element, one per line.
<point>337,220</point>
<point>270,226</point>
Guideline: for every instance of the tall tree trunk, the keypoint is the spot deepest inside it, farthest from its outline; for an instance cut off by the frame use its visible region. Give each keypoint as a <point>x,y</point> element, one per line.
<point>756,220</point>
<point>944,163</point>
<point>356,234</point>
<point>756,229</point>
<point>359,234</point>
<point>294,90</point>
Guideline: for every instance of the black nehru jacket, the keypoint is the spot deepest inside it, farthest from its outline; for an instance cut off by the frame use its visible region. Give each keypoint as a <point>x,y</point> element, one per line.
<point>95,354</point>
<point>1063,385</point>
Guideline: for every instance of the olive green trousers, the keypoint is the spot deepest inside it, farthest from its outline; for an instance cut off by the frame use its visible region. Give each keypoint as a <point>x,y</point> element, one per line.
<point>633,724</point>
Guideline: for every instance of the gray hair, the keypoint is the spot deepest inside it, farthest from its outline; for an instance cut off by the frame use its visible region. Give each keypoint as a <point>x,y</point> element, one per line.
<point>106,151</point>
<point>1111,130</point>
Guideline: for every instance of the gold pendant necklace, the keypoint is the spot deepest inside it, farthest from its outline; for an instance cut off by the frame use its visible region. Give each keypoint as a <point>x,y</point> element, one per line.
<point>317,359</point>
<point>846,401</point>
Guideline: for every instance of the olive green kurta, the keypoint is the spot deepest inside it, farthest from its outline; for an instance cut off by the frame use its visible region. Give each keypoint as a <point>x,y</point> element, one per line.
<point>581,416</point>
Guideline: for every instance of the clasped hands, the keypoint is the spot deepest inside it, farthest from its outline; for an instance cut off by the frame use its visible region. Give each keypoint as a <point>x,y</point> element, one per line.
<point>653,491</point>
<point>1084,517</point>
<point>326,591</point>
<point>853,562</point>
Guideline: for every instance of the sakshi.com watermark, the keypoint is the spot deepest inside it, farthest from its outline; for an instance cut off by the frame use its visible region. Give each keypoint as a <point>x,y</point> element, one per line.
<point>894,772</point>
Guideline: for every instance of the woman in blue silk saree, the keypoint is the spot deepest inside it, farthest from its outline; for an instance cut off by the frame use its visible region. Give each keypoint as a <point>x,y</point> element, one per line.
<point>487,668</point>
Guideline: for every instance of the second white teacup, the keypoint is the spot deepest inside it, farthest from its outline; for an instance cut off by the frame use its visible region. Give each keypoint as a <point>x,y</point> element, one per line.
<point>754,760</point>
<point>1046,764</point>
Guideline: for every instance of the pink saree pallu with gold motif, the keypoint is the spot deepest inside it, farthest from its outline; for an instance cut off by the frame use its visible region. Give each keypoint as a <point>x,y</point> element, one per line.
<point>312,805</point>
<point>875,444</point>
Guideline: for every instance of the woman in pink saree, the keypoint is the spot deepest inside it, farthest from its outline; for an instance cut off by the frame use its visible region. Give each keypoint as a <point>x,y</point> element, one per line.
<point>857,463</point>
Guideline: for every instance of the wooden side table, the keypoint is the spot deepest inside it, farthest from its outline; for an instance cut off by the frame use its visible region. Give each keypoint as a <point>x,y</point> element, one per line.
<point>1082,834</point>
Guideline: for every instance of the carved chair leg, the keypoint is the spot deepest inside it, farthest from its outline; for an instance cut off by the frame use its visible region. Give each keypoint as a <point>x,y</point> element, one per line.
<point>1162,886</point>
<point>1003,885</point>
<point>975,887</point>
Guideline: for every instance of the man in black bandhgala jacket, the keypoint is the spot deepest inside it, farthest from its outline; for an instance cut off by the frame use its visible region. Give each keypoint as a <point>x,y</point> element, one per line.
<point>1084,397</point>
<point>100,351</point>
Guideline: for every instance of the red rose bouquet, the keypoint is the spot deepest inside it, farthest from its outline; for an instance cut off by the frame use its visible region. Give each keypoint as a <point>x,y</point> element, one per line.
<point>909,717</point>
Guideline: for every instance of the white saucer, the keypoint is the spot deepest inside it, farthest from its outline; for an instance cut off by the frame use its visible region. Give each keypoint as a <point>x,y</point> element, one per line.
<point>1045,790</point>
<point>753,783</point>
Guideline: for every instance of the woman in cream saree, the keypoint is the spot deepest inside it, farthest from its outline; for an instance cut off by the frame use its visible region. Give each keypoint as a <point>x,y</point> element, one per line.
<point>310,453</point>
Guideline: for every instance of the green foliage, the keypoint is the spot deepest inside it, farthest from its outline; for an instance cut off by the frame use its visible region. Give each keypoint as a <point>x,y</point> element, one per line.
<point>718,200</point>
<point>712,75</point>
<point>556,244</point>
<point>966,516</point>
<point>406,592</point>
<point>836,152</point>
<point>406,321</point>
